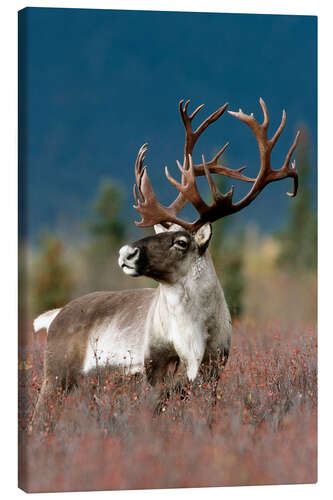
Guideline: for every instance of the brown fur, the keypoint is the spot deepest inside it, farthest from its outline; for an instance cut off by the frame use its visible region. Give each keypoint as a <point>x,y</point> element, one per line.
<point>67,339</point>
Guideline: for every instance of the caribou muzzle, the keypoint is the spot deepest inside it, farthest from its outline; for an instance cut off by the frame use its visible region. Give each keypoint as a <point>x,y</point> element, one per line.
<point>129,259</point>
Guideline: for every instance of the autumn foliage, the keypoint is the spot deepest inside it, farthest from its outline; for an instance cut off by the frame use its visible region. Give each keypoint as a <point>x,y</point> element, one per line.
<point>263,429</point>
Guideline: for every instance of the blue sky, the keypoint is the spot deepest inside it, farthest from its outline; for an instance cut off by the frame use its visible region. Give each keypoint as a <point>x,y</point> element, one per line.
<point>96,84</point>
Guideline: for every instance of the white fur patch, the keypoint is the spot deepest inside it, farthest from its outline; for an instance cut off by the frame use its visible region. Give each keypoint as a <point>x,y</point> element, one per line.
<point>183,326</point>
<point>190,312</point>
<point>200,266</point>
<point>110,345</point>
<point>158,228</point>
<point>127,260</point>
<point>44,320</point>
<point>130,271</point>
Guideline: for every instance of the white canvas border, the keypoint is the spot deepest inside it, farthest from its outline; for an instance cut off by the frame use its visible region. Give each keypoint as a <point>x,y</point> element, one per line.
<point>8,245</point>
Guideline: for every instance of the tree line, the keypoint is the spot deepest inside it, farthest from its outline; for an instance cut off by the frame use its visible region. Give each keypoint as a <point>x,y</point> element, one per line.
<point>53,280</point>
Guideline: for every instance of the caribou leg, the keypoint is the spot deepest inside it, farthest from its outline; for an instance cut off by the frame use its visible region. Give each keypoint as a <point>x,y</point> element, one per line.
<point>46,404</point>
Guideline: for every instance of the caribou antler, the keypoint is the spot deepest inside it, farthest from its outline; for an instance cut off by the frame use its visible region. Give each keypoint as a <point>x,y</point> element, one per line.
<point>191,137</point>
<point>147,204</point>
<point>265,145</point>
<point>153,212</point>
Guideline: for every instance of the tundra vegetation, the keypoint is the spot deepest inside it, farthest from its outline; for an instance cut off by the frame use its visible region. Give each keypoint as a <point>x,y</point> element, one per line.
<point>263,427</point>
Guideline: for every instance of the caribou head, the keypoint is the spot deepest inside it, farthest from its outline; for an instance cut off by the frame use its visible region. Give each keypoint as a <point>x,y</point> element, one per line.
<point>166,257</point>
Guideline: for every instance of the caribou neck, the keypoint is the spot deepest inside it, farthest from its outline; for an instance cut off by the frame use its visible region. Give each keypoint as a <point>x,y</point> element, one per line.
<point>192,290</point>
<point>186,313</point>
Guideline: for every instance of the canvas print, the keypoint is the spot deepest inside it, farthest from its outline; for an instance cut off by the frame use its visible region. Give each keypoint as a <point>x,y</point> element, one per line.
<point>167,250</point>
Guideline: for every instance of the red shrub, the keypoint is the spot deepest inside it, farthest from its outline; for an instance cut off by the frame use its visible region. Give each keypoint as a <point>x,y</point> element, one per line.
<point>263,429</point>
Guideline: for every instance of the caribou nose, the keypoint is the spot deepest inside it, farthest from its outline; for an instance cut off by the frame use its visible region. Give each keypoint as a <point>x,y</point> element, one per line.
<point>128,256</point>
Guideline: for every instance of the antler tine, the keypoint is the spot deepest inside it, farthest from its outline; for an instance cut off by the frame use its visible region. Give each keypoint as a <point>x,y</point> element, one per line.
<point>214,190</point>
<point>192,136</point>
<point>136,198</point>
<point>188,187</point>
<point>139,161</point>
<point>217,196</point>
<point>211,119</point>
<point>292,172</point>
<point>250,120</point>
<point>265,123</point>
<point>220,153</point>
<point>216,168</point>
<point>147,204</point>
<point>258,130</point>
<point>196,111</point>
<point>139,171</point>
<point>190,139</point>
<point>279,129</point>
<point>291,150</point>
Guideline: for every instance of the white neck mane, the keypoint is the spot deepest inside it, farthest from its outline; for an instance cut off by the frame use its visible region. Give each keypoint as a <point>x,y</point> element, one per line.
<point>186,313</point>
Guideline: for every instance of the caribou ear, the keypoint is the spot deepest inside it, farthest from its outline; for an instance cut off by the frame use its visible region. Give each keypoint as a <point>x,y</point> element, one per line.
<point>203,235</point>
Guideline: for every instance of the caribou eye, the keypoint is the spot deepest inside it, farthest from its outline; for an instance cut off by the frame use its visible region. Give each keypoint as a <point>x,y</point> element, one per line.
<point>181,243</point>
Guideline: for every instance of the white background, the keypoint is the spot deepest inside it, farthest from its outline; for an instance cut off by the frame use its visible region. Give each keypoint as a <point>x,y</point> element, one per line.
<point>8,243</point>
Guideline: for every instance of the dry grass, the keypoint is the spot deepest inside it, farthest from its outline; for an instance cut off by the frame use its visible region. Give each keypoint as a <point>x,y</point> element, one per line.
<point>264,428</point>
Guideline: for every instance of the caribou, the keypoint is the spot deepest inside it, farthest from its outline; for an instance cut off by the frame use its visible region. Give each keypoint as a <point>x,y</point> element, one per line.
<point>185,322</point>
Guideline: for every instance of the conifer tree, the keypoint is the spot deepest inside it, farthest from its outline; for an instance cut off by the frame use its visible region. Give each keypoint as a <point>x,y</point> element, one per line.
<point>52,278</point>
<point>106,225</point>
<point>298,238</point>
<point>227,252</point>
